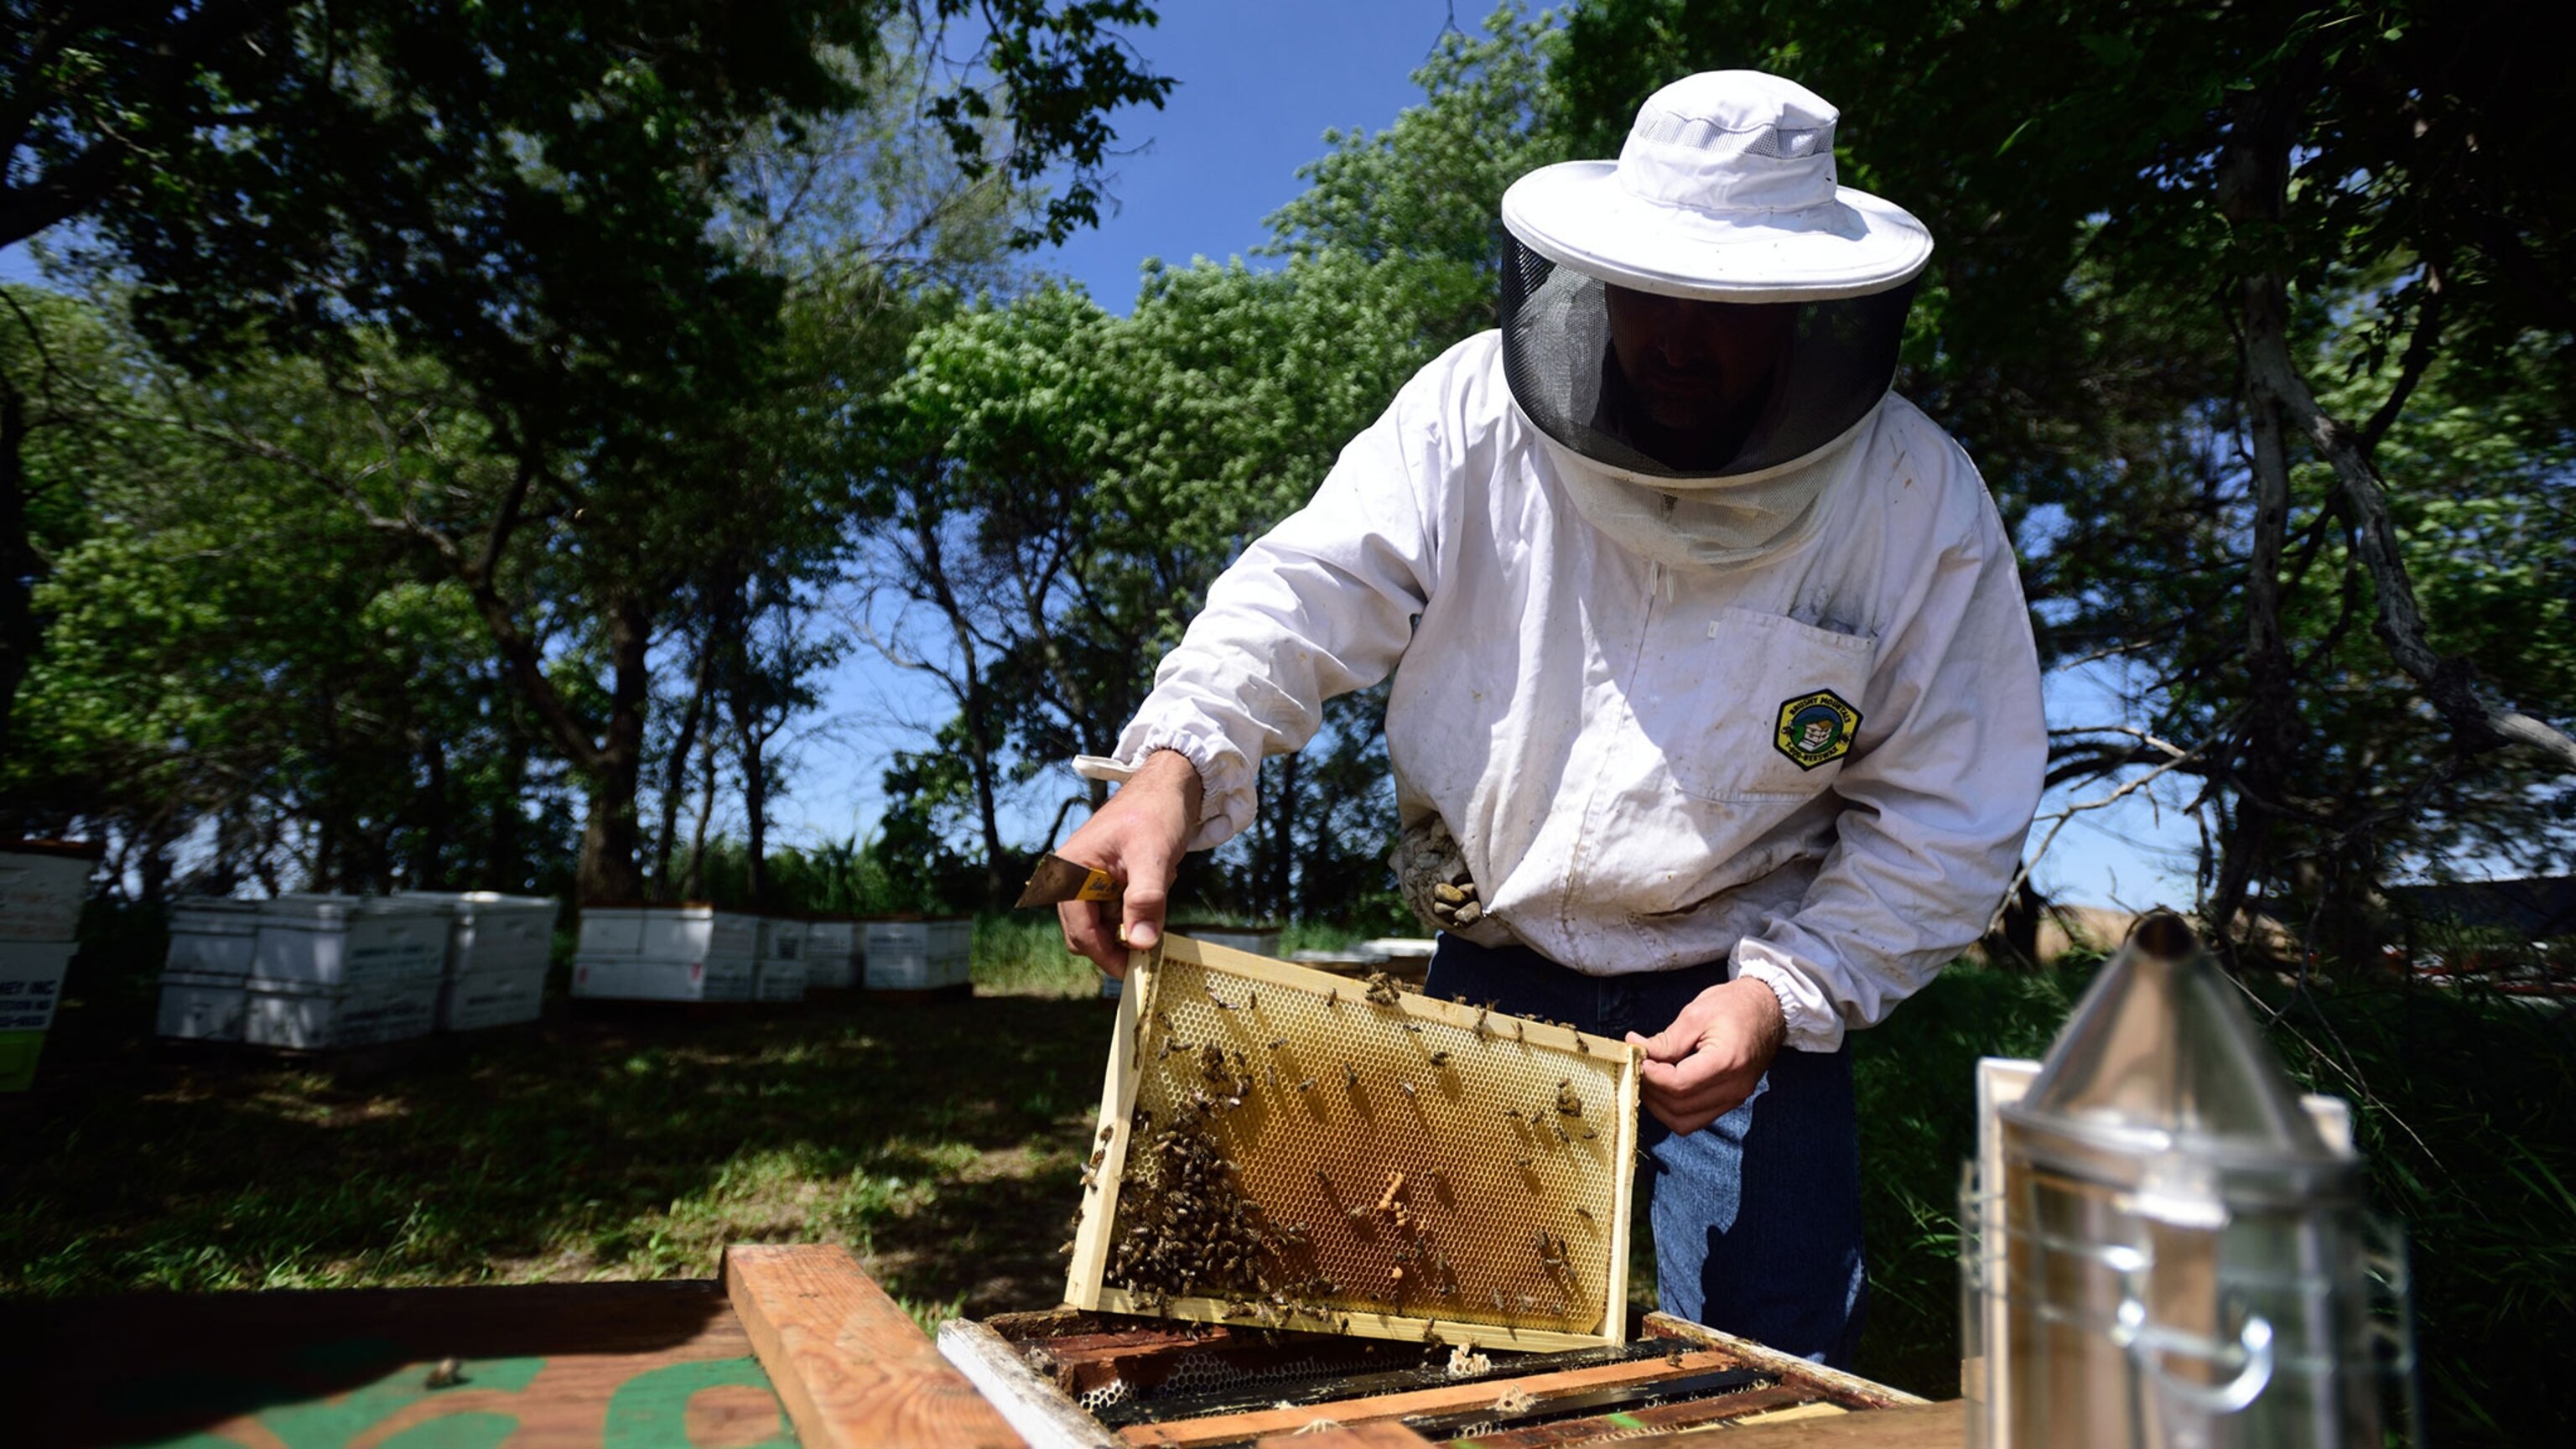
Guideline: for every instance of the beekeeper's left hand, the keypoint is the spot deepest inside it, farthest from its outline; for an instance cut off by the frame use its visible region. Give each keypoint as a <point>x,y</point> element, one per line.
<point>1711,1058</point>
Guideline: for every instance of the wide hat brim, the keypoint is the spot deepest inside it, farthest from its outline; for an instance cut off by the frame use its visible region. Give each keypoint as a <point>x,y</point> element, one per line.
<point>1577,215</point>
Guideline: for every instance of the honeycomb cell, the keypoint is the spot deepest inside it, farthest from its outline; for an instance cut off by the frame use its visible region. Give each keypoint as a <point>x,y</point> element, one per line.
<point>1304,1151</point>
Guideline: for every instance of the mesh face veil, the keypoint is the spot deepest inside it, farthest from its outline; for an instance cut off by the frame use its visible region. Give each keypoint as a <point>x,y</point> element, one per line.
<point>1691,390</point>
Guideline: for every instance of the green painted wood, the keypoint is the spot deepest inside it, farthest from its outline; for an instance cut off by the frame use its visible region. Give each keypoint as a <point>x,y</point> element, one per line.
<point>570,1366</point>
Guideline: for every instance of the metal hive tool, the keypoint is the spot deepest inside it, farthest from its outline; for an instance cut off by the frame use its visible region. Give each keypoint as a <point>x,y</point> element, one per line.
<point>1278,1147</point>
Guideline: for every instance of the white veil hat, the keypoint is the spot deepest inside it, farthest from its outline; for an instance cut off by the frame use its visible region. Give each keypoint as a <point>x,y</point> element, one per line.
<point>1726,189</point>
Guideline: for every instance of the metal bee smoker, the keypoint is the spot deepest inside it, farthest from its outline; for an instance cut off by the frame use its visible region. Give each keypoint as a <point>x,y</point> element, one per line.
<point>2162,1249</point>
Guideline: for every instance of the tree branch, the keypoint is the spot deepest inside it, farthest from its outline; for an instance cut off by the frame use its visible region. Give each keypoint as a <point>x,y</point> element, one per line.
<point>2058,819</point>
<point>2477,722</point>
<point>525,663</point>
<point>2420,345</point>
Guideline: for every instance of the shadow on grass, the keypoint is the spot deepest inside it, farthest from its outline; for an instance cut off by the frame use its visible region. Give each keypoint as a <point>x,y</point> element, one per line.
<point>940,1139</point>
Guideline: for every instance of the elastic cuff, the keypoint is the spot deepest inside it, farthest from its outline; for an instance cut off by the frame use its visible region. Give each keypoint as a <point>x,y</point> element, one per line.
<point>1813,1024</point>
<point>1225,786</point>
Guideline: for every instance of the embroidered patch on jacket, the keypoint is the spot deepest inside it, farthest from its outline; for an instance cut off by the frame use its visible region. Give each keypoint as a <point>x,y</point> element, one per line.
<point>1816,729</point>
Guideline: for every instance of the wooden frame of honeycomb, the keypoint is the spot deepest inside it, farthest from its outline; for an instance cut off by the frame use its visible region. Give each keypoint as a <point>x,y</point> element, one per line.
<point>1279,1147</point>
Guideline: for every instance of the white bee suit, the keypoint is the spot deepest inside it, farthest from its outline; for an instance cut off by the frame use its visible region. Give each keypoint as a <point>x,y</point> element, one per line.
<point>1608,737</point>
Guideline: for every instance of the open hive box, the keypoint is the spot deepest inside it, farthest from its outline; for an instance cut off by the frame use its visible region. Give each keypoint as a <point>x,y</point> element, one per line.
<point>1282,1148</point>
<point>1070,1379</point>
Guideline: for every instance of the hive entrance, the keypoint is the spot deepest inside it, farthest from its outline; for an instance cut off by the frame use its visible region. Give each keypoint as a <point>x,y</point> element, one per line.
<point>1283,1148</point>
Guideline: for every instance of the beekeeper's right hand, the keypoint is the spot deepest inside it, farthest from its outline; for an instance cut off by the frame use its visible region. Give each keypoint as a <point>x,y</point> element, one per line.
<point>1137,838</point>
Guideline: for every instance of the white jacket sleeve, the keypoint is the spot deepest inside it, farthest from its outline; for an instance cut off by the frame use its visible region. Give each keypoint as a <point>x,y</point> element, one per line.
<point>1934,811</point>
<point>1321,605</point>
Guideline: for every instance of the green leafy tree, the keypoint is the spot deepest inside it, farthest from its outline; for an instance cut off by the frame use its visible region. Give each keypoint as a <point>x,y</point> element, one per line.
<point>53,354</point>
<point>2197,266</point>
<point>1067,484</point>
<point>530,205</point>
<point>231,649</point>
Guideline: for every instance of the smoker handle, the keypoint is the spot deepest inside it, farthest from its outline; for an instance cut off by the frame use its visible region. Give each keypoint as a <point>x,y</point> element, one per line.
<point>2146,1342</point>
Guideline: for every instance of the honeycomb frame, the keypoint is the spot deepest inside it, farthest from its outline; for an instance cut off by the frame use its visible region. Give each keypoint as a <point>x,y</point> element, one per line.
<point>1508,1144</point>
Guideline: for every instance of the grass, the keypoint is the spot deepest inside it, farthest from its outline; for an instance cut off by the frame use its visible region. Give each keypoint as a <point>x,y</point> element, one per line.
<point>1025,955</point>
<point>2465,1106</point>
<point>1913,1080</point>
<point>942,1141</point>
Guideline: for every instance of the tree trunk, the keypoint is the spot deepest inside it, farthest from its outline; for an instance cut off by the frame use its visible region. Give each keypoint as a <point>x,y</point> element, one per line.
<point>18,566</point>
<point>505,866</point>
<point>675,779</point>
<point>612,766</point>
<point>609,836</point>
<point>2252,173</point>
<point>2016,940</point>
<point>234,839</point>
<point>753,751</point>
<point>327,810</point>
<point>693,881</point>
<point>429,861</point>
<point>153,864</point>
<point>999,892</point>
<point>745,701</point>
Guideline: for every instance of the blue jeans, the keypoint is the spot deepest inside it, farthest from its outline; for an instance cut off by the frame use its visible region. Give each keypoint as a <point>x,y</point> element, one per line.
<point>1757,1215</point>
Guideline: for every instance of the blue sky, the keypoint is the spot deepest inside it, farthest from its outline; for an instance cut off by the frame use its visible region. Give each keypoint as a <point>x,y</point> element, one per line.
<point>1260,83</point>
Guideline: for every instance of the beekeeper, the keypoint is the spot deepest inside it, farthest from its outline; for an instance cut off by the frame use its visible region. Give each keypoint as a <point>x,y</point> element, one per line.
<point>1715,719</point>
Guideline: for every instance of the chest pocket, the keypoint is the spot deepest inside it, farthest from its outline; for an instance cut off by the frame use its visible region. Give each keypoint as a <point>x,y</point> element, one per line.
<point>1752,706</point>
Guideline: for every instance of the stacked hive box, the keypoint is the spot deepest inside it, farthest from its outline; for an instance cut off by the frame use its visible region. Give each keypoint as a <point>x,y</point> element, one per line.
<point>910,953</point>
<point>497,948</point>
<point>665,953</point>
<point>779,972</point>
<point>341,971</point>
<point>831,952</point>
<point>205,981</point>
<point>41,886</point>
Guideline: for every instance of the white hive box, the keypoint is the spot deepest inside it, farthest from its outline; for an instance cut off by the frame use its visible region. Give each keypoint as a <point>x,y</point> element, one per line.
<point>778,981</point>
<point>665,953</point>
<point>627,978</point>
<point>487,930</point>
<point>1401,952</point>
<point>831,953</point>
<point>781,938</point>
<point>919,955</point>
<point>203,1007</point>
<point>307,1017</point>
<point>212,938</point>
<point>42,884</point>
<point>668,933</point>
<point>497,950</point>
<point>497,996</point>
<point>334,942</point>
<point>31,981</point>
